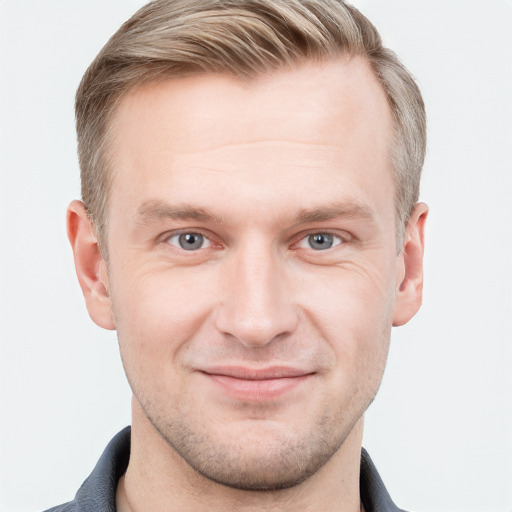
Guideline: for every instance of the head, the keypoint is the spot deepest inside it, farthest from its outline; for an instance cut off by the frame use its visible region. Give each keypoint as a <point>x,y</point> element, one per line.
<point>243,39</point>
<point>245,166</point>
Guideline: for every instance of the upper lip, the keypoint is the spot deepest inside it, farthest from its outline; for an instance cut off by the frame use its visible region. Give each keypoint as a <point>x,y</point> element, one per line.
<point>271,372</point>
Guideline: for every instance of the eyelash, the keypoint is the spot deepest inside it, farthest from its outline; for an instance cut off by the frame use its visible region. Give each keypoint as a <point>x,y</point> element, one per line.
<point>185,233</point>
<point>305,238</point>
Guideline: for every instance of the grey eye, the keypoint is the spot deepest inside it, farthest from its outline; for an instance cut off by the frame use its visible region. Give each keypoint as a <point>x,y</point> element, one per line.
<point>189,241</point>
<point>320,241</point>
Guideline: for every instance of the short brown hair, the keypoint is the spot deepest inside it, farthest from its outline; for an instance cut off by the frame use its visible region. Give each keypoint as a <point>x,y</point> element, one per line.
<point>245,38</point>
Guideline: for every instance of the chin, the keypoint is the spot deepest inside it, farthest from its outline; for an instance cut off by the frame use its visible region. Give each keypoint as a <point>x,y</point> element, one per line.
<point>262,469</point>
<point>266,456</point>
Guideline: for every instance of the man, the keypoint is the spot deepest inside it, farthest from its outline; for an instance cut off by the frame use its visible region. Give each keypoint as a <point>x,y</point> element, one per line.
<point>250,227</point>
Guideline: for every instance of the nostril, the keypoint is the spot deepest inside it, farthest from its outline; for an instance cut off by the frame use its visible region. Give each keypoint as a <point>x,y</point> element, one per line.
<point>257,329</point>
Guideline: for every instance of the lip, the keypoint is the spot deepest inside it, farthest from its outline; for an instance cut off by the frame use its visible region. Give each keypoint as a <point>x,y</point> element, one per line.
<point>260,384</point>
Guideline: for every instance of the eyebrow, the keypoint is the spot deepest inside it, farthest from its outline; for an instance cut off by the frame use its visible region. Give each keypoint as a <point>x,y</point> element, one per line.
<point>335,211</point>
<point>155,210</point>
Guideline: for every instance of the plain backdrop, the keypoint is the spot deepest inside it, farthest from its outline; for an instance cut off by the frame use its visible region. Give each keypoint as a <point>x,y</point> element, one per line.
<point>440,430</point>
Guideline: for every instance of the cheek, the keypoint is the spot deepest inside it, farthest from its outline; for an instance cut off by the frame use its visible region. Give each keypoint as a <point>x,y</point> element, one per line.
<point>157,313</point>
<point>352,308</point>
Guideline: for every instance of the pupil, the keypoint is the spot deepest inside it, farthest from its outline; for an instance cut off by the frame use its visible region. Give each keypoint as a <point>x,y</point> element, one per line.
<point>321,241</point>
<point>191,241</point>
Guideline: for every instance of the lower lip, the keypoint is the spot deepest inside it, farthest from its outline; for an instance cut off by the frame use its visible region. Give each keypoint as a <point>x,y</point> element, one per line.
<point>257,390</point>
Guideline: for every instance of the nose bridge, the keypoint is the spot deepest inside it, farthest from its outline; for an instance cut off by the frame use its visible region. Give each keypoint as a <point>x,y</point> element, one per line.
<point>256,307</point>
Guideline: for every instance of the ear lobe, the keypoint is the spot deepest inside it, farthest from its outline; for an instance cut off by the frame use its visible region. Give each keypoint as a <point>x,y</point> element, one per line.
<point>90,266</point>
<point>409,288</point>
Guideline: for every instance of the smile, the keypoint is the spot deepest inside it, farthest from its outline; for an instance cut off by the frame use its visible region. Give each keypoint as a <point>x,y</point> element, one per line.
<point>256,384</point>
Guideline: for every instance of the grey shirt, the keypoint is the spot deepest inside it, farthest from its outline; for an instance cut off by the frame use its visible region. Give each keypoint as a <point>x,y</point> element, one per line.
<point>98,492</point>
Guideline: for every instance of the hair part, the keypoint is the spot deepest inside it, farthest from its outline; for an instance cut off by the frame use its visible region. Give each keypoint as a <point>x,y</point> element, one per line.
<point>243,38</point>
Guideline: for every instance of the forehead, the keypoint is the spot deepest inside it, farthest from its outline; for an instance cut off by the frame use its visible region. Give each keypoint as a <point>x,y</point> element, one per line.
<point>320,124</point>
<point>345,92</point>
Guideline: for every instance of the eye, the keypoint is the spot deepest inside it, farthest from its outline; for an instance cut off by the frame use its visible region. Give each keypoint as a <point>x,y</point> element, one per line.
<point>189,241</point>
<point>320,241</point>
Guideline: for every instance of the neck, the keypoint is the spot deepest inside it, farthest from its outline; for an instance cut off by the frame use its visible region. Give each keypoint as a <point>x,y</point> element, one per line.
<point>158,479</point>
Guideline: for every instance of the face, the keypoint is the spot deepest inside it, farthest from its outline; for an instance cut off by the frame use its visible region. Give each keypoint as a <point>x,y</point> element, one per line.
<point>253,269</point>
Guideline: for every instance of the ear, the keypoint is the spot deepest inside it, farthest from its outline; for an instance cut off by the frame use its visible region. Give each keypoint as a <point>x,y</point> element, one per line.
<point>409,286</point>
<point>90,266</point>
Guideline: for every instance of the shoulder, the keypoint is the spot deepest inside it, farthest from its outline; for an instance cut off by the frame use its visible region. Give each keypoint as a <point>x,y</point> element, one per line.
<point>374,495</point>
<point>98,492</point>
<point>66,507</point>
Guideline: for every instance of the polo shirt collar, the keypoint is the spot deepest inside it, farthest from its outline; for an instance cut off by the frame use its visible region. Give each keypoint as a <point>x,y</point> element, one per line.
<point>98,492</point>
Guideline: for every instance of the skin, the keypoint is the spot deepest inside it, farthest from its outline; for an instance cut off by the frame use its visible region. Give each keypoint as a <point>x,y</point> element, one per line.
<point>256,169</point>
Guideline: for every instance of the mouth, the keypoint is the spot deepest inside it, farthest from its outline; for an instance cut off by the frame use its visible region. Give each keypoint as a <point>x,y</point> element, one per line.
<point>251,384</point>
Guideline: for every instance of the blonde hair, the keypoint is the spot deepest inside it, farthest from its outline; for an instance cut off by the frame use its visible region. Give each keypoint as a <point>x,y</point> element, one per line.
<point>245,38</point>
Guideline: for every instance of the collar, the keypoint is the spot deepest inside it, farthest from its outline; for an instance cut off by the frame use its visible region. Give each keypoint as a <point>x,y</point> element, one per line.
<point>98,492</point>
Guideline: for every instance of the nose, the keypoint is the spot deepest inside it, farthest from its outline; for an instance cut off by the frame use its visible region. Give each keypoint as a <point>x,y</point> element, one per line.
<point>257,304</point>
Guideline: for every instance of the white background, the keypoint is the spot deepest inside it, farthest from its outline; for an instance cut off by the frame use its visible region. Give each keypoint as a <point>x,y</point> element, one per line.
<point>440,431</point>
